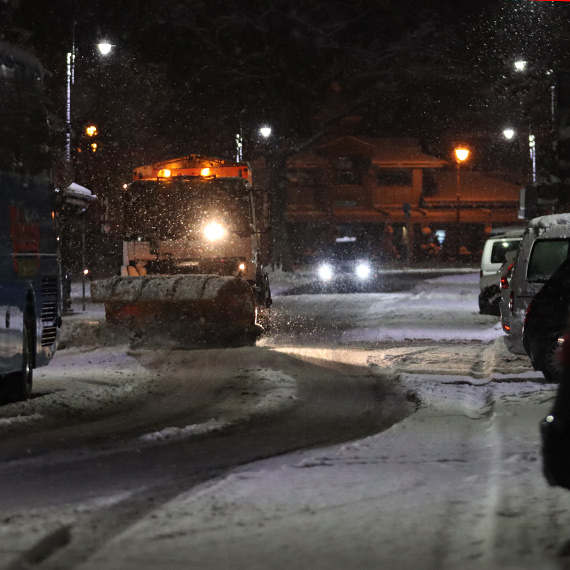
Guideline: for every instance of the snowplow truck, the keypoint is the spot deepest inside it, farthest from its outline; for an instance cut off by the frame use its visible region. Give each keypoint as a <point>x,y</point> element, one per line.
<point>191,263</point>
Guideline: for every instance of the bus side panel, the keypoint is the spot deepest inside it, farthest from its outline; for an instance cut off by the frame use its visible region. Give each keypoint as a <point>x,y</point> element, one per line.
<point>29,287</point>
<point>12,301</point>
<point>29,270</point>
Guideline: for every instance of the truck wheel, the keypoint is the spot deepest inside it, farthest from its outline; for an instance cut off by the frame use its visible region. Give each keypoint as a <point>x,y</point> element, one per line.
<point>17,386</point>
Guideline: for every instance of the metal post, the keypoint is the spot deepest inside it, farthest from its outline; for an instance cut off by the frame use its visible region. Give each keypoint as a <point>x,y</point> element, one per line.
<point>68,108</point>
<point>532,151</point>
<point>239,148</point>
<point>83,262</point>
<point>458,206</point>
<point>70,79</point>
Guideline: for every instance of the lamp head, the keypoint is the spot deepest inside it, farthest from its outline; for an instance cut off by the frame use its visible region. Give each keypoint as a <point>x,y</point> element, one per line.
<point>104,47</point>
<point>461,153</point>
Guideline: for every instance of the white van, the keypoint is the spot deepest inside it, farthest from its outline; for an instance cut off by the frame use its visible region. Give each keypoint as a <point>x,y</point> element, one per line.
<point>494,251</point>
<point>544,246</point>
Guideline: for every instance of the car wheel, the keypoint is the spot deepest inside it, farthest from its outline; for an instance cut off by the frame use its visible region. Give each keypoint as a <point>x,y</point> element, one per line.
<point>489,300</point>
<point>551,365</point>
<point>18,385</point>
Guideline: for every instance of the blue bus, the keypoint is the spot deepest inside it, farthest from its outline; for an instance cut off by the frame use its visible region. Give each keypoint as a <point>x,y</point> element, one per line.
<point>29,266</point>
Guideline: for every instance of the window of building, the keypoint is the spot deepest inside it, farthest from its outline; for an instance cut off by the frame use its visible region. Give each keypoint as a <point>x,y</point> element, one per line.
<point>394,176</point>
<point>301,177</point>
<point>347,177</point>
<point>348,171</point>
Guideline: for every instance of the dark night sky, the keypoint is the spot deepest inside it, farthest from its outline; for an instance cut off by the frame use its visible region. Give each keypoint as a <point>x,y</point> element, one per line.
<point>184,73</point>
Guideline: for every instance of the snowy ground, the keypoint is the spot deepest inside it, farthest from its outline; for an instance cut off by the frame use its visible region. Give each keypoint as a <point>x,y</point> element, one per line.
<point>457,484</point>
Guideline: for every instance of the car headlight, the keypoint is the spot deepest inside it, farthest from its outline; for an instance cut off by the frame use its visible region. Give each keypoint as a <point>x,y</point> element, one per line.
<point>214,232</point>
<point>325,272</point>
<point>363,271</point>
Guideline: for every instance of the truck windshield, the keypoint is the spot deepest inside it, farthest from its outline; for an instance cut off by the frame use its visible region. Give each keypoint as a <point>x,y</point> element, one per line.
<point>178,209</point>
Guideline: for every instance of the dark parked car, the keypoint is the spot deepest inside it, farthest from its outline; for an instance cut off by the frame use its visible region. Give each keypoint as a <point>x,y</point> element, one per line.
<point>555,427</point>
<point>545,322</point>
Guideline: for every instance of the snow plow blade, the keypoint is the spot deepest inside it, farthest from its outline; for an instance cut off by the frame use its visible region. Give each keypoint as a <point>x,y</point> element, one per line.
<point>184,307</point>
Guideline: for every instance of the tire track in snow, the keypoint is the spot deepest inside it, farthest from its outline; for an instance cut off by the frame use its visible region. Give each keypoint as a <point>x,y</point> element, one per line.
<point>272,390</point>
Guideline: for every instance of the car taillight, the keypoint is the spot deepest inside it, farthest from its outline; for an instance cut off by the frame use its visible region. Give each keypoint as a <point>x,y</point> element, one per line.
<point>505,277</point>
<point>564,354</point>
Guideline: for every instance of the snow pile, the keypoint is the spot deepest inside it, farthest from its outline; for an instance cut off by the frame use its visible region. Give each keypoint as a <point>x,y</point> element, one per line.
<point>171,433</point>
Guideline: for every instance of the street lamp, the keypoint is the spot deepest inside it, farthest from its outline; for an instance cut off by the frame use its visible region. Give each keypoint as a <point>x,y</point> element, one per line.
<point>104,48</point>
<point>508,133</point>
<point>520,66</point>
<point>461,154</point>
<point>265,131</point>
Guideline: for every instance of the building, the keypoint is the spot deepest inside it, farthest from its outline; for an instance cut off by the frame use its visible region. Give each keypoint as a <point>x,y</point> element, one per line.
<point>390,195</point>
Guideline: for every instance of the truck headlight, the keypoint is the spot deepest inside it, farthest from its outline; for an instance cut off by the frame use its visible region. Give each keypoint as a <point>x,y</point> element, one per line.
<point>363,271</point>
<point>325,271</point>
<point>214,232</point>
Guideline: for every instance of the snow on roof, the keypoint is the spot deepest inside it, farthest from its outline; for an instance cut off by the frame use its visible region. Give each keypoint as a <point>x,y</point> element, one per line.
<point>384,152</point>
<point>75,190</point>
<point>544,222</point>
<point>474,187</point>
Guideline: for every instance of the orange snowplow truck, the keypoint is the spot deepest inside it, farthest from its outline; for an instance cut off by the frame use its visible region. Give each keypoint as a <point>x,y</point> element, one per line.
<point>190,252</point>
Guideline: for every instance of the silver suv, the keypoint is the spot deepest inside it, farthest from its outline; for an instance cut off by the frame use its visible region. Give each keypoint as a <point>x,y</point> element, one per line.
<point>543,248</point>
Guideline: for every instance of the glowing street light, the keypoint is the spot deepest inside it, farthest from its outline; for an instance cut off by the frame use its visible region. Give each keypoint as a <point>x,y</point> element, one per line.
<point>265,131</point>
<point>509,133</point>
<point>104,47</point>
<point>520,65</point>
<point>461,154</point>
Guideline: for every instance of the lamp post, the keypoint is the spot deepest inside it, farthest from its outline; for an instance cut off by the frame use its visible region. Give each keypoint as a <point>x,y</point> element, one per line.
<point>522,66</point>
<point>104,48</point>
<point>461,154</point>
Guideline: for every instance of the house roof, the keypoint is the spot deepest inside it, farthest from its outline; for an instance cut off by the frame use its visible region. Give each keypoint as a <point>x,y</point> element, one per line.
<point>383,152</point>
<point>473,187</point>
<point>307,159</point>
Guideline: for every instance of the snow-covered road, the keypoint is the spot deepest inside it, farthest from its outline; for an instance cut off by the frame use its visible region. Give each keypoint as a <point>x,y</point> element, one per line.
<point>455,484</point>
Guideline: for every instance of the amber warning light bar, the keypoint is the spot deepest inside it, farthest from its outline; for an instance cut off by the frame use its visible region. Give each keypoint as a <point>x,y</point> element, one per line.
<point>204,172</point>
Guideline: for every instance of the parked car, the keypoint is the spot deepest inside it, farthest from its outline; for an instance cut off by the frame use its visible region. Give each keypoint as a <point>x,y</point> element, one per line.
<point>555,427</point>
<point>492,259</point>
<point>545,322</point>
<point>544,247</point>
